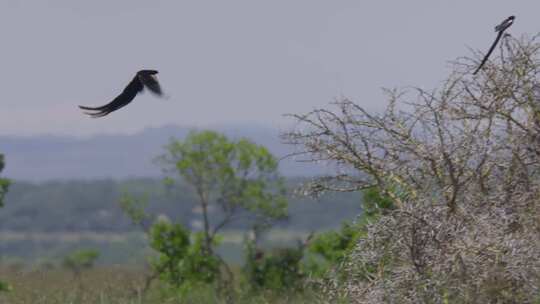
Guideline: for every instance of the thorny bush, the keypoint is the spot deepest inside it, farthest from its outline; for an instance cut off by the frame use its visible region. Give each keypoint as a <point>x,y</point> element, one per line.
<point>461,165</point>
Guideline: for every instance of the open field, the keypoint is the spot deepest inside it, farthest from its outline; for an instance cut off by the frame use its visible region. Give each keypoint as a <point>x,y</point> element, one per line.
<point>43,280</point>
<point>105,285</point>
<point>108,285</point>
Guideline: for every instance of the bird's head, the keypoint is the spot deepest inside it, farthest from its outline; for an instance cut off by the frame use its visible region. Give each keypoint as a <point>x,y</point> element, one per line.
<point>147,72</point>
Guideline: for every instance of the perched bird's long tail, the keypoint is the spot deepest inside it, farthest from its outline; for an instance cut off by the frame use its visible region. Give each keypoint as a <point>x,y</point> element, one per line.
<point>499,35</point>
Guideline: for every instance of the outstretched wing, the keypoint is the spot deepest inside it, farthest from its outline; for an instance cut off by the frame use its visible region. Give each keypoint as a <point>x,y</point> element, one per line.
<point>127,95</point>
<point>150,81</point>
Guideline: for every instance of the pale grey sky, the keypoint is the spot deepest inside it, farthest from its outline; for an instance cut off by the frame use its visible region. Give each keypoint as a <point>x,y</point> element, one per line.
<point>234,61</point>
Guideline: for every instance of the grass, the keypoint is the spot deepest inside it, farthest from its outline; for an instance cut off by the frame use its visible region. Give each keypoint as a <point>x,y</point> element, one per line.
<point>44,282</point>
<point>118,285</point>
<point>100,285</point>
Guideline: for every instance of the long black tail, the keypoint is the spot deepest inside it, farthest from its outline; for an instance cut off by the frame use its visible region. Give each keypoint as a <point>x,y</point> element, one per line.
<point>93,108</point>
<point>489,52</point>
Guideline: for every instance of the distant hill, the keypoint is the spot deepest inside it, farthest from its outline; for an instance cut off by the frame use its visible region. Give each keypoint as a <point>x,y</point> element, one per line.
<point>46,157</point>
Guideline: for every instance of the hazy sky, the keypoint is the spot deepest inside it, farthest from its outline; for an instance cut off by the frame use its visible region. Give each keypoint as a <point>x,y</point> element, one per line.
<point>234,61</point>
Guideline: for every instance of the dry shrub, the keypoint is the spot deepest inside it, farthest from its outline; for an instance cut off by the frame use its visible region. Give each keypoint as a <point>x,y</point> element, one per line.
<point>462,166</point>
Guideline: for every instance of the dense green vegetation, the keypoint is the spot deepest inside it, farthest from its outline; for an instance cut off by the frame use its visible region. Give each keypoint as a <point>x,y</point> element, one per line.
<point>4,183</point>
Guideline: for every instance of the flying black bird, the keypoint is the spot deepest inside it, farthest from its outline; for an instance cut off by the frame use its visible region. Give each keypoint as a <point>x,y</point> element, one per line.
<point>500,30</point>
<point>143,78</point>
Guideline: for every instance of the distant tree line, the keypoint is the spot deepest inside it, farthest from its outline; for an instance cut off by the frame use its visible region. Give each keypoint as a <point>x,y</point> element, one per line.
<point>93,206</point>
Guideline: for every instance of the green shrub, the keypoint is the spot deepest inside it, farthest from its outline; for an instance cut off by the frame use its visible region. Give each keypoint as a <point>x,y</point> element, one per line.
<point>278,270</point>
<point>182,262</point>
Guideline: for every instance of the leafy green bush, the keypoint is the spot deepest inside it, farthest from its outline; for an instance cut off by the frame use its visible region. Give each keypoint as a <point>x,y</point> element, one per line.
<point>376,203</point>
<point>5,287</point>
<point>182,262</point>
<point>277,270</point>
<point>79,261</point>
<point>4,183</point>
<point>329,249</point>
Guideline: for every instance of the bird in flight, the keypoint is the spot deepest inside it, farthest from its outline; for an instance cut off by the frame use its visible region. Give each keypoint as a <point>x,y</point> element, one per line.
<point>143,78</point>
<point>500,30</point>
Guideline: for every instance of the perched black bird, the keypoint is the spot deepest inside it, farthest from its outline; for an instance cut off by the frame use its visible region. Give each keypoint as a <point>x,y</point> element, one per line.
<point>500,30</point>
<point>143,78</point>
